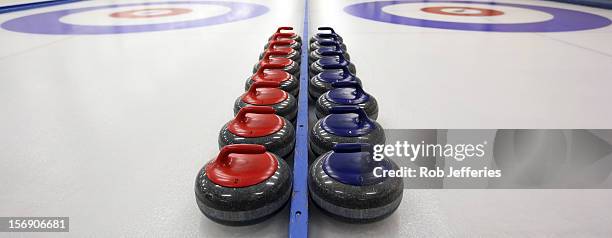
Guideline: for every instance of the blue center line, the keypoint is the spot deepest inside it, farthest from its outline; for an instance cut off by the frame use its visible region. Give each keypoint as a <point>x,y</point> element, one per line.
<point>298,221</point>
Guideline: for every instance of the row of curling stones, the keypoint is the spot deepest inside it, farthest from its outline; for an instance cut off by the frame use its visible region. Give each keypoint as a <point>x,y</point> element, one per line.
<point>327,49</point>
<point>341,182</point>
<point>243,185</point>
<point>344,124</point>
<point>326,71</point>
<point>250,180</point>
<point>346,93</point>
<point>269,93</point>
<point>260,125</point>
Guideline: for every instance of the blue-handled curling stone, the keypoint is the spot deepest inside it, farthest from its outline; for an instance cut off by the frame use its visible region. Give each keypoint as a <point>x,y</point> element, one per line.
<point>347,93</point>
<point>342,183</point>
<point>344,124</point>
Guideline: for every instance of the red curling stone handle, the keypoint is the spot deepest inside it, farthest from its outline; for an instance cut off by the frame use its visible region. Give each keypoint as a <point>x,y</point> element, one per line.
<point>262,84</point>
<point>276,36</point>
<point>288,28</point>
<point>238,149</point>
<point>272,52</point>
<point>279,42</point>
<point>241,116</point>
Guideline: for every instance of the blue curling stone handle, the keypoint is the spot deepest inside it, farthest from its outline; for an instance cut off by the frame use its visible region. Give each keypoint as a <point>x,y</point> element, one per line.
<point>348,93</point>
<point>347,121</point>
<point>341,74</point>
<point>352,163</point>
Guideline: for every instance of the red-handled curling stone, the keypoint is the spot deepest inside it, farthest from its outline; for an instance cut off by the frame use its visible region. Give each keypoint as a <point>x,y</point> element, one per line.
<point>285,64</point>
<point>324,36</point>
<point>287,81</point>
<point>259,125</point>
<point>288,53</point>
<point>296,45</point>
<point>243,185</point>
<point>342,183</point>
<point>267,93</point>
<point>288,35</point>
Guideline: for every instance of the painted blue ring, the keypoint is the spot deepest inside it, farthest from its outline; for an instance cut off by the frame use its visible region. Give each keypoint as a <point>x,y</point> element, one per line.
<point>48,22</point>
<point>563,19</point>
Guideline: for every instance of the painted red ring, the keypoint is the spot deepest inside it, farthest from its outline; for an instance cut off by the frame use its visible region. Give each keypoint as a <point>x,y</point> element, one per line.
<point>132,13</point>
<point>483,11</point>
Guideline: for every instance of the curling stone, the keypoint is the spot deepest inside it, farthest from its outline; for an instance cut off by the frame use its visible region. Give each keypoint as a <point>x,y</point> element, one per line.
<point>342,183</point>
<point>267,93</point>
<point>288,35</point>
<point>320,44</point>
<point>285,64</point>
<point>327,46</point>
<point>331,60</point>
<point>288,82</point>
<point>289,53</point>
<point>322,35</point>
<point>344,124</point>
<point>296,45</point>
<point>244,185</point>
<point>347,93</point>
<point>259,125</point>
<point>321,83</point>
